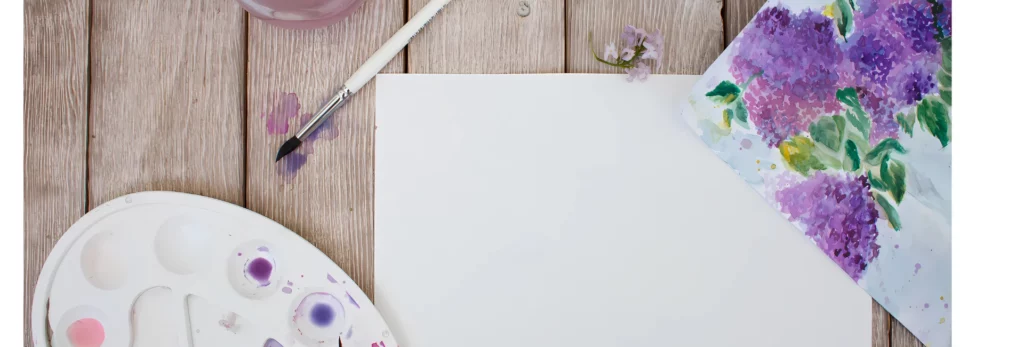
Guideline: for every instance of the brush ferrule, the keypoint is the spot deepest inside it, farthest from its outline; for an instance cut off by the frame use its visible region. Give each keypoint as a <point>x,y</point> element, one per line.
<point>326,111</point>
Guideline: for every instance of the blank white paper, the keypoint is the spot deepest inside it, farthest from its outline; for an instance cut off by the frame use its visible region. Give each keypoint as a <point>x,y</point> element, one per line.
<point>575,210</point>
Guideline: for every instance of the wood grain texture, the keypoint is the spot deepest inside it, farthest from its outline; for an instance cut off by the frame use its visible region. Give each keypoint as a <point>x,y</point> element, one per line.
<point>56,117</point>
<point>692,29</point>
<point>737,14</point>
<point>488,36</point>
<point>166,99</point>
<point>881,329</point>
<point>901,337</point>
<point>330,200</point>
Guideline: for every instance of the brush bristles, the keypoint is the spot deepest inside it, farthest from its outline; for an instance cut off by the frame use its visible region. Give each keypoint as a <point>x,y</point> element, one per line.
<point>288,147</point>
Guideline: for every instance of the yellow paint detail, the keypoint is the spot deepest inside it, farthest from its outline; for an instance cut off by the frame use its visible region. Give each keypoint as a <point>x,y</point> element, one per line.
<point>829,11</point>
<point>942,320</point>
<point>725,119</point>
<point>773,166</point>
<point>759,161</point>
<point>728,99</point>
<point>942,298</point>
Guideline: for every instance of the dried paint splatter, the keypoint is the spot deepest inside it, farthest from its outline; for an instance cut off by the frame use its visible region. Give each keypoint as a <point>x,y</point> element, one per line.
<point>285,107</point>
<point>331,279</point>
<point>284,110</point>
<point>352,300</point>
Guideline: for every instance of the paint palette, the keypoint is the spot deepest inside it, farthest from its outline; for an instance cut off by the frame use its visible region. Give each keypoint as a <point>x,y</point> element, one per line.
<point>171,269</point>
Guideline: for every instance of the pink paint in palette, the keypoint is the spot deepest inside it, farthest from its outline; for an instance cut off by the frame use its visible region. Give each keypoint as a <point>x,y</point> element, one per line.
<point>168,269</point>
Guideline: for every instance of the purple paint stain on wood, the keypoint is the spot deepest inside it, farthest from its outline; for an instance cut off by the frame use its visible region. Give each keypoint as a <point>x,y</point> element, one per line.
<point>289,166</point>
<point>285,110</point>
<point>285,106</point>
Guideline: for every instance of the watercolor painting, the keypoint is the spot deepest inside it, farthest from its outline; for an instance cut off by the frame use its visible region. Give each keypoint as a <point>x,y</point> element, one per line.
<point>839,113</point>
<point>281,115</point>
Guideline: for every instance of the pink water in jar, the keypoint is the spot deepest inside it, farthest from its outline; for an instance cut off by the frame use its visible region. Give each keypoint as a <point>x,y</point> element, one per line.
<point>301,14</point>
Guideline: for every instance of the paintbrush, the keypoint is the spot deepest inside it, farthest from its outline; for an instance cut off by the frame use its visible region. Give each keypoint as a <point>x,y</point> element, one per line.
<point>364,74</point>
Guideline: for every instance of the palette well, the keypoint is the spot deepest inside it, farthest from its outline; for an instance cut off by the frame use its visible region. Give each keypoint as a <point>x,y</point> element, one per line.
<point>173,269</point>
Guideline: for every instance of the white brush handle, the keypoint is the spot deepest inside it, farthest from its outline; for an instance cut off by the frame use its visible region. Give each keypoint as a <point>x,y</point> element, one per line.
<point>394,45</point>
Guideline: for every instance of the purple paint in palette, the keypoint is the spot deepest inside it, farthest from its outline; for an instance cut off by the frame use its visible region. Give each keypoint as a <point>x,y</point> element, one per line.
<point>331,279</point>
<point>260,269</point>
<point>284,112</point>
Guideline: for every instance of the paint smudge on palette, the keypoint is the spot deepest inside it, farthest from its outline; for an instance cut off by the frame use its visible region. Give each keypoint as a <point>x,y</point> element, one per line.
<point>281,114</point>
<point>86,332</point>
<point>319,317</point>
<point>254,274</point>
<point>352,300</point>
<point>272,343</point>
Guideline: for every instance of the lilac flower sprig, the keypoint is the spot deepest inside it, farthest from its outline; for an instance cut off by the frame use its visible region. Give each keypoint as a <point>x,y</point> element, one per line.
<point>638,46</point>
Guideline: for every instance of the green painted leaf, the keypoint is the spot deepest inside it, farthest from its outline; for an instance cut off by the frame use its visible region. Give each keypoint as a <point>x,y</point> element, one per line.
<point>741,111</point>
<point>862,123</point>
<point>876,182</point>
<point>882,149</point>
<point>947,96</point>
<point>858,118</point>
<point>844,20</point>
<point>852,162</point>
<point>945,78</point>
<point>727,116</point>
<point>947,54</point>
<point>890,211</point>
<point>848,96</point>
<point>827,159</point>
<point>907,122</point>
<point>894,174</point>
<point>798,152</point>
<point>828,132</point>
<point>934,117</point>
<point>724,93</point>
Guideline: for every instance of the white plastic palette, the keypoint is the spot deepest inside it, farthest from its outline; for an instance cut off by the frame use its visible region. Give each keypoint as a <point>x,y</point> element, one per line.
<point>171,269</point>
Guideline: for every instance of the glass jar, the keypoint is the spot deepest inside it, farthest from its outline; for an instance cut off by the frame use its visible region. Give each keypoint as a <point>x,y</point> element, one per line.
<point>301,14</point>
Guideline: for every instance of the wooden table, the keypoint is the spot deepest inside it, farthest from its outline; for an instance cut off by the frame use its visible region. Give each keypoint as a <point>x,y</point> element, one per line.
<point>127,96</point>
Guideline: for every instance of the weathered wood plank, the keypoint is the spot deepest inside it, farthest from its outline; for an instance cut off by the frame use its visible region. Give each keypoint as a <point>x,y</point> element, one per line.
<point>166,99</point>
<point>329,200</point>
<point>489,36</point>
<point>737,14</point>
<point>692,28</point>
<point>901,337</point>
<point>881,329</point>
<point>56,117</point>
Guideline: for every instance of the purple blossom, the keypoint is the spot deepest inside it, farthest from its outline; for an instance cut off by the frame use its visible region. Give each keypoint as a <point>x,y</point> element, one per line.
<point>639,72</point>
<point>611,52</point>
<point>839,215</point>
<point>915,83</point>
<point>628,54</point>
<point>917,25</point>
<point>892,60</point>
<point>945,18</point>
<point>632,35</point>
<point>873,55</point>
<point>654,46</point>
<point>639,46</point>
<point>793,60</point>
<point>881,107</point>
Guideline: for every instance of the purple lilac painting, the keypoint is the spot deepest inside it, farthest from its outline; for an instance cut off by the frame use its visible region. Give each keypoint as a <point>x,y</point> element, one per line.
<point>839,113</point>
